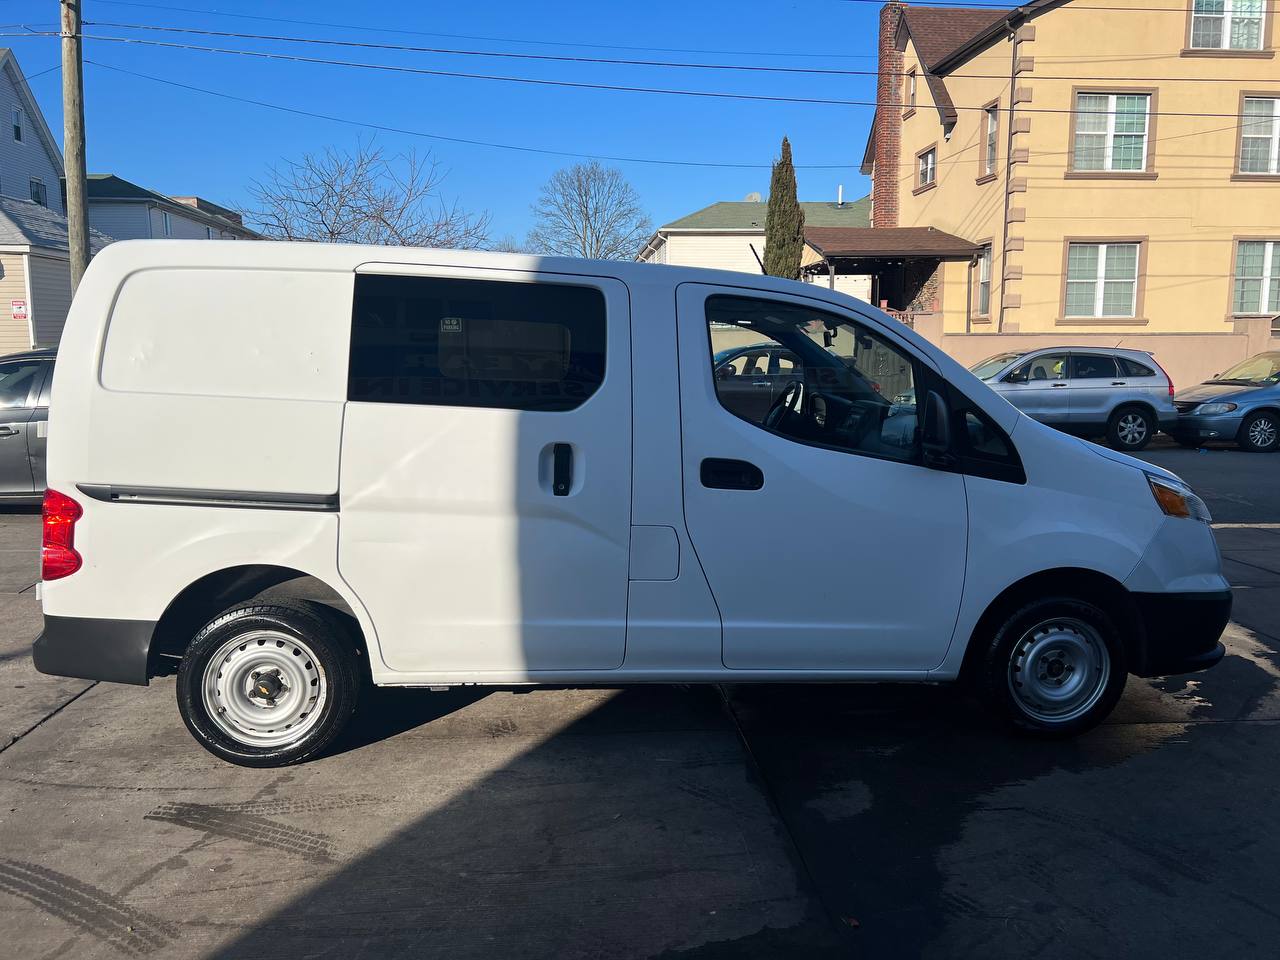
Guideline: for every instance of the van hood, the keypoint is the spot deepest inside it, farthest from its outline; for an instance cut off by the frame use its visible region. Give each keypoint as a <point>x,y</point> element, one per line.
<point>1115,456</point>
<point>1211,391</point>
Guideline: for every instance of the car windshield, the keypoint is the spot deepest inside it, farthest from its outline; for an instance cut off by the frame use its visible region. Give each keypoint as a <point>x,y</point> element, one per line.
<point>993,365</point>
<point>1262,369</point>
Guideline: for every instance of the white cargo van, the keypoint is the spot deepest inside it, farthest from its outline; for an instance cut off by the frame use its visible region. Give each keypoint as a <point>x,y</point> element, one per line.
<point>497,469</point>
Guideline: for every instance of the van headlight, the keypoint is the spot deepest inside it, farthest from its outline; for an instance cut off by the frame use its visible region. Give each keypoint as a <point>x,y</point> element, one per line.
<point>1210,409</point>
<point>1177,500</point>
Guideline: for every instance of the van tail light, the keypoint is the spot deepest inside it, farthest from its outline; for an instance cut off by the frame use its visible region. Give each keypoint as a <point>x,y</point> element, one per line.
<point>58,557</point>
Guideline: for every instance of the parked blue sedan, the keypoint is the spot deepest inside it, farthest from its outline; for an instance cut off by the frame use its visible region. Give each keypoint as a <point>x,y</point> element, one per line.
<point>1242,404</point>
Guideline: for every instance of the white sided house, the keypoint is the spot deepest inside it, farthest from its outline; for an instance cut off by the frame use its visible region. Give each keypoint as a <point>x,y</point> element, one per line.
<point>35,279</point>
<point>127,211</point>
<point>729,235</point>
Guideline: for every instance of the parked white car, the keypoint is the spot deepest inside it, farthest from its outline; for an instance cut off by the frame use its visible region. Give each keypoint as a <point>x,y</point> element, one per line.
<point>500,469</point>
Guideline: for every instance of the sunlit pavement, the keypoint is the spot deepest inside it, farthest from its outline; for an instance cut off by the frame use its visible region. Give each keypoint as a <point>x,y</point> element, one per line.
<point>662,821</point>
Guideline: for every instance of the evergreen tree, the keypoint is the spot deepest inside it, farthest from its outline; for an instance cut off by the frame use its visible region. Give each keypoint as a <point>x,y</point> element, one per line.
<point>783,221</point>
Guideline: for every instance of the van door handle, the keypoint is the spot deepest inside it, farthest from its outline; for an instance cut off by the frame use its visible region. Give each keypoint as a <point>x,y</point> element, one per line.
<point>561,469</point>
<point>760,383</point>
<point>8,432</point>
<point>719,474</point>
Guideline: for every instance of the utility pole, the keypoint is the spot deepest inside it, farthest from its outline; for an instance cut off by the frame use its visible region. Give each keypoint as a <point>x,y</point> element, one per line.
<point>73,141</point>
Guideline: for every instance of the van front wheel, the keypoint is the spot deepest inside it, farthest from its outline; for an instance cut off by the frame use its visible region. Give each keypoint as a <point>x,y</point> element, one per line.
<point>1054,667</point>
<point>268,684</point>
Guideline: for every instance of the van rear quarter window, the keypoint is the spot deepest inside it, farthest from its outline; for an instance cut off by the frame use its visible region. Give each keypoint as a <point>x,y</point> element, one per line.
<point>476,343</point>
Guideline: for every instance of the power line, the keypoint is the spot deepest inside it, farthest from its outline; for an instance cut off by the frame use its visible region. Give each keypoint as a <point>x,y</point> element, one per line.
<point>463,36</point>
<point>754,68</point>
<point>478,143</point>
<point>1025,9</point>
<point>583,85</point>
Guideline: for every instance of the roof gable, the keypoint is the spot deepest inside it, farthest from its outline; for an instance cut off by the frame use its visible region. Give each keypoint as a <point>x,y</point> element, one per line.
<point>750,215</point>
<point>13,72</point>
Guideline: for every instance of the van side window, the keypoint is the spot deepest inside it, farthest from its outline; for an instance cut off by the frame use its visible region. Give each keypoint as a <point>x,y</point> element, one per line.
<point>476,343</point>
<point>844,385</point>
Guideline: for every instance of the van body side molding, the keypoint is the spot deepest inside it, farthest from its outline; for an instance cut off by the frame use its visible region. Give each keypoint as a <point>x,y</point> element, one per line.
<point>191,497</point>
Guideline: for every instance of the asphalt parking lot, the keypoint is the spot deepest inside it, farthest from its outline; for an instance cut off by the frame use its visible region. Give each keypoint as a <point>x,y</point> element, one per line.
<point>660,821</point>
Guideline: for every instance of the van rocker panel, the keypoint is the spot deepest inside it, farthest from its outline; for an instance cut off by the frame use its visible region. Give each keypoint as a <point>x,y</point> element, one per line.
<point>94,649</point>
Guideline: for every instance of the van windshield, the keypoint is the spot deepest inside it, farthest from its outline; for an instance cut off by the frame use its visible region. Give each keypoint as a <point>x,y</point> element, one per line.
<point>1259,370</point>
<point>992,365</point>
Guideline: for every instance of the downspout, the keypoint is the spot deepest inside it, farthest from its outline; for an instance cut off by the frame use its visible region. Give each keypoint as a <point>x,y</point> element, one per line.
<point>1008,165</point>
<point>968,296</point>
<point>831,273</point>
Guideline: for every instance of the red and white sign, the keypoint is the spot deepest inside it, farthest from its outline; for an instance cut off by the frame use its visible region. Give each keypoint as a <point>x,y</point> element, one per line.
<point>19,308</point>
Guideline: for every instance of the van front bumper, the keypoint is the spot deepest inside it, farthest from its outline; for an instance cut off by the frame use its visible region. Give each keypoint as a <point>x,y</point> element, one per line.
<point>1193,429</point>
<point>94,649</point>
<point>1181,631</point>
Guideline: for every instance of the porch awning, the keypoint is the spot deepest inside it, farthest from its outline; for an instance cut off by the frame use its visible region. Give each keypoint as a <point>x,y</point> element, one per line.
<point>865,243</point>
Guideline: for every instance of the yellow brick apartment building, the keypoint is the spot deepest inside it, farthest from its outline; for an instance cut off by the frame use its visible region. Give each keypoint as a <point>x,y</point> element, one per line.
<point>1113,165</point>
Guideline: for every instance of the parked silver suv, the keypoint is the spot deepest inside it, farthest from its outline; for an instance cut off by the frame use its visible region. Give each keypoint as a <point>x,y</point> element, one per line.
<point>1123,395</point>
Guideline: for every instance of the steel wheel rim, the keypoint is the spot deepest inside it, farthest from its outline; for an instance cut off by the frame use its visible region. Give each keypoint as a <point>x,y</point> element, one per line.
<point>1058,670</point>
<point>1132,429</point>
<point>264,688</point>
<point>1262,432</point>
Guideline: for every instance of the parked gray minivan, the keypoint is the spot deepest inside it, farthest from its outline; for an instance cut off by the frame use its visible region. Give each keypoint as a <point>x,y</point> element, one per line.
<point>25,379</point>
<point>1122,395</point>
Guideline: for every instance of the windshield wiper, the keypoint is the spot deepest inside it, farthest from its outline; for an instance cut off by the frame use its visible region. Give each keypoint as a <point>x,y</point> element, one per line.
<point>1236,382</point>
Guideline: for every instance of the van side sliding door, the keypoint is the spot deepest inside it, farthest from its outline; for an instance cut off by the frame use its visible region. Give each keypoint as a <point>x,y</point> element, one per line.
<point>486,469</point>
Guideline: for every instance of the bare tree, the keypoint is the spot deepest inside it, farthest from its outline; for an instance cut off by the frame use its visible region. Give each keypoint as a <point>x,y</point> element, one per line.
<point>363,197</point>
<point>589,210</point>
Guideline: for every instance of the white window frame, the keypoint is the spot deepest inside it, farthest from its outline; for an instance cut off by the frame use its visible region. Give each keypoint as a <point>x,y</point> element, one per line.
<point>1228,14</point>
<point>984,280</point>
<point>1270,269</point>
<point>1100,280</point>
<point>1108,148</point>
<point>912,77</point>
<point>1273,162</point>
<point>990,144</point>
<point>928,165</point>
<point>166,223</point>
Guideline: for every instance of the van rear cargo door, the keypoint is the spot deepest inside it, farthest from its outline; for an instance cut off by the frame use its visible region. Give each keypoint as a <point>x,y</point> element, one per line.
<point>486,469</point>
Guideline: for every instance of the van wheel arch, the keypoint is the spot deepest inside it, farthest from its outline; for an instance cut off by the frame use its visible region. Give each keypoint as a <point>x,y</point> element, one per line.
<point>1240,434</point>
<point>202,600</point>
<point>1081,583</point>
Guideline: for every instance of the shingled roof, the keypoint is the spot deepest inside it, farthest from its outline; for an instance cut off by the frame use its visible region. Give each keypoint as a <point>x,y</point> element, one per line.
<point>938,32</point>
<point>868,242</point>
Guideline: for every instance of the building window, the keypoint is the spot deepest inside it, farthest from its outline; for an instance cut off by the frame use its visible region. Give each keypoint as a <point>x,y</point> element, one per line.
<point>38,193</point>
<point>928,169</point>
<point>1260,135</point>
<point>909,95</point>
<point>982,306</point>
<point>992,116</point>
<point>1257,287</point>
<point>166,222</point>
<point>1102,279</point>
<point>208,233</point>
<point>18,124</point>
<point>1111,132</point>
<point>1226,24</point>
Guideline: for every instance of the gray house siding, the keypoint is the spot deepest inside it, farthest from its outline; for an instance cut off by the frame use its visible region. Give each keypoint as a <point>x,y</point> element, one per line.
<point>20,161</point>
<point>50,298</point>
<point>120,221</point>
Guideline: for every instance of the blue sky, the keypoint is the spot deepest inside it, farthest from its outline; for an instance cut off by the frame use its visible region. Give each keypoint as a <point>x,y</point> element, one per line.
<point>179,141</point>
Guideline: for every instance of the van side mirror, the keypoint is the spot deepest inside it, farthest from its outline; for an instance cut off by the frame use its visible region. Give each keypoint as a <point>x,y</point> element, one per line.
<point>936,435</point>
<point>726,372</point>
<point>1016,376</point>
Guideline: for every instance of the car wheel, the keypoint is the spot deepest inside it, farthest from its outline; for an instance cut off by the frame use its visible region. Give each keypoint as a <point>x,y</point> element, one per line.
<point>1260,432</point>
<point>1054,667</point>
<point>1130,429</point>
<point>269,684</point>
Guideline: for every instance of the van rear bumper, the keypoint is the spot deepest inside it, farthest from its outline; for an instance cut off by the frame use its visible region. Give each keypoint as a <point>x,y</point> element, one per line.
<point>94,649</point>
<point>1182,631</point>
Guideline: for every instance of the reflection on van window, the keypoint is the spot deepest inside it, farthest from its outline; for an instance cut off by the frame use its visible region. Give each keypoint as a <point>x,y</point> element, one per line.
<point>476,343</point>
<point>831,382</point>
<point>15,382</point>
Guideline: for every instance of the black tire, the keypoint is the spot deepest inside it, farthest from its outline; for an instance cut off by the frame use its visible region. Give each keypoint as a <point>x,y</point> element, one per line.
<point>1131,428</point>
<point>1260,432</point>
<point>311,637</point>
<point>997,667</point>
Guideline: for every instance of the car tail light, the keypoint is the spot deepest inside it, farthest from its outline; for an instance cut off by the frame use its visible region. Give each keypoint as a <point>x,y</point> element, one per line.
<point>1165,372</point>
<point>58,557</point>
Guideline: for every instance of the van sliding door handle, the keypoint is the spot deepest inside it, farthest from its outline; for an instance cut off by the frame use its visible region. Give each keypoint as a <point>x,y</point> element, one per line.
<point>720,474</point>
<point>561,469</point>
<point>8,432</point>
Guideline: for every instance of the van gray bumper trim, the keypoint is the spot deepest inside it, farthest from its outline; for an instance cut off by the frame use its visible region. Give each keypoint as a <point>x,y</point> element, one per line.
<point>191,497</point>
<point>94,649</point>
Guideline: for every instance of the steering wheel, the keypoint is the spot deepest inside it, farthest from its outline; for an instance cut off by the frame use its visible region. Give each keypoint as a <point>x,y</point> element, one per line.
<point>786,405</point>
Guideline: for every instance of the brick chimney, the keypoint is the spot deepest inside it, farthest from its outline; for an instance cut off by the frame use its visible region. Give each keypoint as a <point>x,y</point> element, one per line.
<point>888,152</point>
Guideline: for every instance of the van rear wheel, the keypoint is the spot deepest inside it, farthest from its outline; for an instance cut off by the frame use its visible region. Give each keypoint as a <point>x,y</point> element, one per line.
<point>1054,667</point>
<point>269,684</point>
